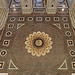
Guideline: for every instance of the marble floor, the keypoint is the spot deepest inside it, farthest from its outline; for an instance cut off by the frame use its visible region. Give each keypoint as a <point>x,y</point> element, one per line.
<point>37,45</point>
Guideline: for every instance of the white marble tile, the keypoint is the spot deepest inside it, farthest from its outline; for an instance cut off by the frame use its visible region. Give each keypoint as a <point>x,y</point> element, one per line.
<point>73,73</point>
<point>3,73</point>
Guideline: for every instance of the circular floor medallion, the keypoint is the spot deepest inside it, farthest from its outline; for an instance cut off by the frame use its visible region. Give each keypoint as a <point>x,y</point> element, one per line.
<point>38,44</point>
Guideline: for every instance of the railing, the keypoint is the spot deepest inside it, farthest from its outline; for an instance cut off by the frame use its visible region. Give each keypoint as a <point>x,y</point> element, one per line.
<point>39,10</point>
<point>17,10</point>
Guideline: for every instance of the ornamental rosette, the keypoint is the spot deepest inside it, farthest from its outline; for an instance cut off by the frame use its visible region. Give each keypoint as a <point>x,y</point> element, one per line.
<point>38,44</point>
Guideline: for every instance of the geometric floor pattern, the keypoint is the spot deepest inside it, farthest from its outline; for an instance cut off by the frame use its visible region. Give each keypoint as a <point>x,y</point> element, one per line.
<point>14,58</point>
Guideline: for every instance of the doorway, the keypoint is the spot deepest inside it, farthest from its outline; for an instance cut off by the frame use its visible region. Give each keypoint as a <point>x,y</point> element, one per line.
<point>39,6</point>
<point>39,3</point>
<point>15,6</point>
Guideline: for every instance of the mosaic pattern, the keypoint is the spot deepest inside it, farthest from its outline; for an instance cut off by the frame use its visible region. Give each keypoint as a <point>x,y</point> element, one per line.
<point>58,60</point>
<point>38,44</point>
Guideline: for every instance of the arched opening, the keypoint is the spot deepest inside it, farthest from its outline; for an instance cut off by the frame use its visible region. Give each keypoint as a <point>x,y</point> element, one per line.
<point>63,6</point>
<point>39,3</point>
<point>15,6</point>
<point>39,6</point>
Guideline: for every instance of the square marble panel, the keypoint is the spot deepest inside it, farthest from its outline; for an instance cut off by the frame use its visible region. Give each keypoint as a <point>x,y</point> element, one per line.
<point>70,42</point>
<point>6,43</point>
<point>3,73</point>
<point>73,73</point>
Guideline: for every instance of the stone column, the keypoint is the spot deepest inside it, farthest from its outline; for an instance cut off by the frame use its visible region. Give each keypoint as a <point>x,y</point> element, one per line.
<point>51,7</point>
<point>3,13</point>
<point>72,13</point>
<point>26,6</point>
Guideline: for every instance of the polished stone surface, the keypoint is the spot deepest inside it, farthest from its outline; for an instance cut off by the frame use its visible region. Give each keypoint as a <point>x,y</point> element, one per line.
<point>59,61</point>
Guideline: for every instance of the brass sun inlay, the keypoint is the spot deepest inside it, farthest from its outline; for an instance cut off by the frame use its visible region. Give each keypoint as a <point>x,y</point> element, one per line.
<point>38,44</point>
